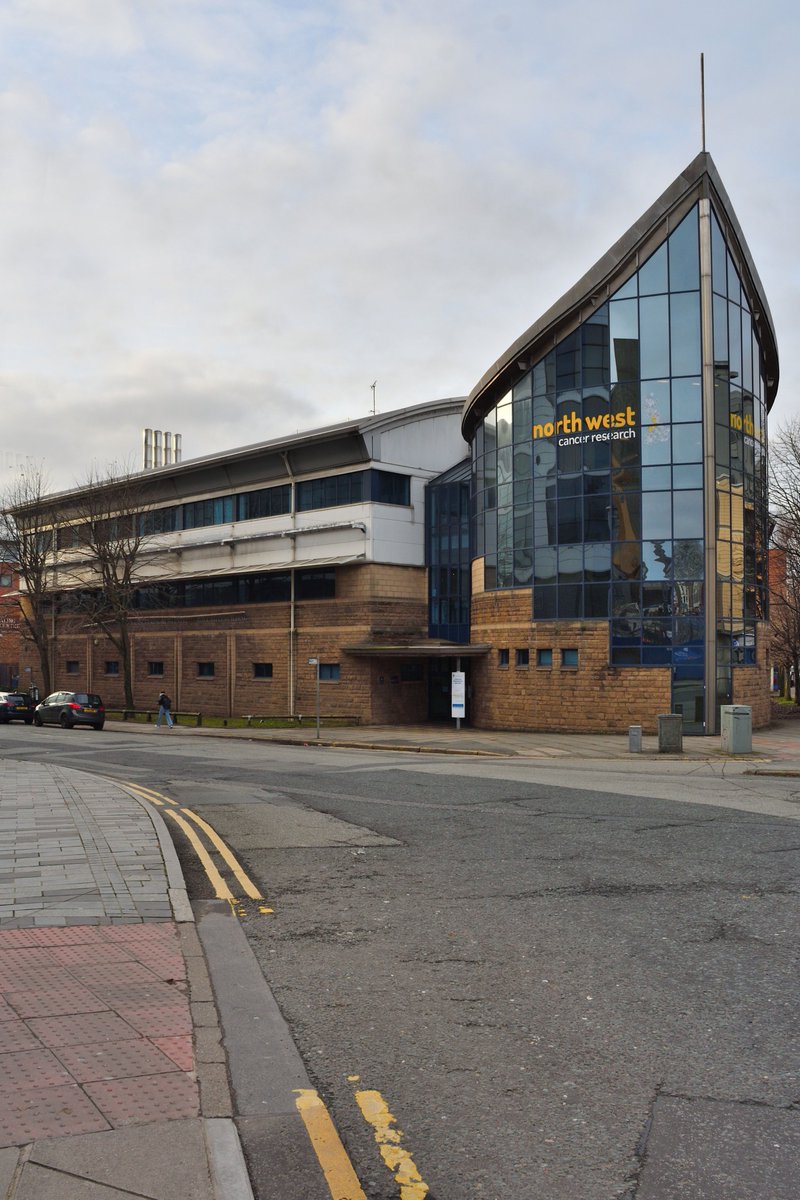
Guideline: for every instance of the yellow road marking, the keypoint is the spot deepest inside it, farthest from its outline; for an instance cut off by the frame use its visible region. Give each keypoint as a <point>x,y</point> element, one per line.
<point>219,885</point>
<point>147,794</point>
<point>248,885</point>
<point>336,1166</point>
<point>215,878</point>
<point>376,1112</point>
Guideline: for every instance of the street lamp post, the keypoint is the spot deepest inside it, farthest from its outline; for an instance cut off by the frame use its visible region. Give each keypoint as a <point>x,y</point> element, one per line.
<point>314,662</point>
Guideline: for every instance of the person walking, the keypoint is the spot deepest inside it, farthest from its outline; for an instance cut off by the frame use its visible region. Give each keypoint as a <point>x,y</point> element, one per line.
<point>164,706</point>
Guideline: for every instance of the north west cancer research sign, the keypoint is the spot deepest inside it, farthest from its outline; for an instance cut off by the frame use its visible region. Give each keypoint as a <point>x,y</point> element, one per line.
<point>575,430</point>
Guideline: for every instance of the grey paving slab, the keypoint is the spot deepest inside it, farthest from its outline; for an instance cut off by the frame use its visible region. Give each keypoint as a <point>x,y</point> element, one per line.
<point>166,1160</point>
<point>75,849</point>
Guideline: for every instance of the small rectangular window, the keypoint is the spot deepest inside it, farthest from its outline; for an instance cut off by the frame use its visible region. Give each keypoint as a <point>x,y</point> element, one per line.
<point>155,668</point>
<point>523,658</point>
<point>330,671</point>
<point>262,670</point>
<point>502,658</point>
<point>544,658</point>
<point>569,658</point>
<point>112,666</point>
<point>73,666</point>
<point>205,670</point>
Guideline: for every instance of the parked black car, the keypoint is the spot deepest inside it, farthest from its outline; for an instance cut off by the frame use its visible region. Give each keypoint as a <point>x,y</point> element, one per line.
<point>68,709</point>
<point>15,706</point>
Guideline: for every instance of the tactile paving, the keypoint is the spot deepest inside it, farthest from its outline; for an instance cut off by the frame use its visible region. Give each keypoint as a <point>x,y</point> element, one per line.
<point>49,1112</point>
<point>15,1035</point>
<point>147,1098</point>
<point>90,953</point>
<point>115,1060</point>
<point>82,1027</point>
<point>44,1002</point>
<point>31,1069</point>
<point>158,1020</point>
<point>179,1049</point>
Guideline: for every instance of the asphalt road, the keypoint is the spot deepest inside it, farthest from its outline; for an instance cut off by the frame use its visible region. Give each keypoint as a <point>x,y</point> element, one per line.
<point>564,980</point>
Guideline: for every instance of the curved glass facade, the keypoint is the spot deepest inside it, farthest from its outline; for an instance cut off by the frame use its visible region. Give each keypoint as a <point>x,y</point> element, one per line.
<point>588,475</point>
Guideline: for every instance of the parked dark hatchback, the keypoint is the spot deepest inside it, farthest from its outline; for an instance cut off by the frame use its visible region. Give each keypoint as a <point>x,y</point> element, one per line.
<point>68,709</point>
<point>14,706</point>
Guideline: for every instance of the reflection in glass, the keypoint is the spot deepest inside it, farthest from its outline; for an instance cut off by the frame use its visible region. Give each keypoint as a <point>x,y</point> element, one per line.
<point>655,444</point>
<point>655,478</point>
<point>685,324</point>
<point>654,336</point>
<point>656,516</point>
<point>684,256</point>
<point>687,400</point>
<point>597,562</point>
<point>656,560</point>
<point>687,514</point>
<point>687,443</point>
<point>653,273</point>
<point>624,337</point>
<point>687,476</point>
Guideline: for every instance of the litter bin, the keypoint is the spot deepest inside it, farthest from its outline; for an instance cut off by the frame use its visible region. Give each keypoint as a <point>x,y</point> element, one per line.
<point>736,728</point>
<point>670,733</point>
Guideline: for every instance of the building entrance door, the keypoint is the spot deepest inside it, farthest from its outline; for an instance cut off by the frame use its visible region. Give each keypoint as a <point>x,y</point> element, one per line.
<point>439,672</point>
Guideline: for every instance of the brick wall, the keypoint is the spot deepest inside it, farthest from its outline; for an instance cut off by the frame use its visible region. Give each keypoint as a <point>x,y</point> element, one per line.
<point>594,697</point>
<point>751,684</point>
<point>373,601</point>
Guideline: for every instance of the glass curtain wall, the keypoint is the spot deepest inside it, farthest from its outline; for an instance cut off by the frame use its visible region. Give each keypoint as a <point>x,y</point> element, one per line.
<point>447,516</point>
<point>588,475</point>
<point>741,469</point>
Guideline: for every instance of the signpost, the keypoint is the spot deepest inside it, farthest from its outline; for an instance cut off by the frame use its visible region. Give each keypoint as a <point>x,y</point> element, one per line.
<point>458,696</point>
<point>314,662</point>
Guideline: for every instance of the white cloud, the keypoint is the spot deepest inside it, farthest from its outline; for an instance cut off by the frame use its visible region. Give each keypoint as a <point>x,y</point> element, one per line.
<point>245,213</point>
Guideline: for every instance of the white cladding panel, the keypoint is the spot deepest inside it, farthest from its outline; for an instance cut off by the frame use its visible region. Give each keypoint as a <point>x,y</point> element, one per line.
<point>434,444</point>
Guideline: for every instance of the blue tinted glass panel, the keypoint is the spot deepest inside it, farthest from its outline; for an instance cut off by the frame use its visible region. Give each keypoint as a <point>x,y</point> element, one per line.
<point>656,517</point>
<point>656,479</point>
<point>624,335</point>
<point>687,510</point>
<point>719,280</point>
<point>687,476</point>
<point>687,400</point>
<point>653,336</point>
<point>653,275</point>
<point>684,255</point>
<point>655,402</point>
<point>655,445</point>
<point>627,290</point>
<point>687,443</point>
<point>656,560</point>
<point>685,333</point>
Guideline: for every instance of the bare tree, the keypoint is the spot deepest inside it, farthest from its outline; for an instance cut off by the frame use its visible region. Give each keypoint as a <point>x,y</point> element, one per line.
<point>26,540</point>
<point>784,583</point>
<point>111,543</point>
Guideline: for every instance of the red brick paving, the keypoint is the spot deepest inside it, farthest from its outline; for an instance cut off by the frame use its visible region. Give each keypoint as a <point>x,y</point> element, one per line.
<point>98,1038</point>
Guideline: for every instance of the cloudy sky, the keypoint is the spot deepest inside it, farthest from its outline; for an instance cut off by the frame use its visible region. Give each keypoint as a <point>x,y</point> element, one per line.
<point>228,218</point>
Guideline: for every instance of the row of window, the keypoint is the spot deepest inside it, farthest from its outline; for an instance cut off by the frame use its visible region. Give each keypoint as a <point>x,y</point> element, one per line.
<point>544,657</point>
<point>205,670</point>
<point>379,487</point>
<point>262,588</point>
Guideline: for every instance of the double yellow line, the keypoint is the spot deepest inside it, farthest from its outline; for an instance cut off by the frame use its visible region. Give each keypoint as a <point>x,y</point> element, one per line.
<point>339,1175</point>
<point>221,889</point>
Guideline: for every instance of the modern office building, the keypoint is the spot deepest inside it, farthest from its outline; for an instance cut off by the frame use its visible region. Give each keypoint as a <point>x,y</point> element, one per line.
<point>585,536</point>
<point>620,485</point>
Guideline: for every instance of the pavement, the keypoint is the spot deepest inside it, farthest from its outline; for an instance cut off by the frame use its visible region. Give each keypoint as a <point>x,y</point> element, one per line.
<point>116,1052</point>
